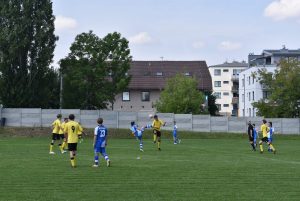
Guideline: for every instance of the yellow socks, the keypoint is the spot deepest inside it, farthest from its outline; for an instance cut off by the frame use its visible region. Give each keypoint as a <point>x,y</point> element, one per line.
<point>261,147</point>
<point>272,147</point>
<point>63,145</point>
<point>158,145</point>
<point>73,162</point>
<point>154,138</point>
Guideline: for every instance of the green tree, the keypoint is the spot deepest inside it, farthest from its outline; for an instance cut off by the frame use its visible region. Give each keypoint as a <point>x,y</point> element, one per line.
<point>181,96</point>
<point>27,43</point>
<point>212,107</point>
<point>95,70</point>
<point>284,88</point>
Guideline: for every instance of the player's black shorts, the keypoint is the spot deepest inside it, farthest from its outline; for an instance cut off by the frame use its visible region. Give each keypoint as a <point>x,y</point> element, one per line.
<point>250,137</point>
<point>157,133</point>
<point>265,139</point>
<point>72,146</point>
<point>55,136</point>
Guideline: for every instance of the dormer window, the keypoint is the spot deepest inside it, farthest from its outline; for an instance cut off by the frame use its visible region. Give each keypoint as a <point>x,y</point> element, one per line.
<point>159,74</point>
<point>187,74</point>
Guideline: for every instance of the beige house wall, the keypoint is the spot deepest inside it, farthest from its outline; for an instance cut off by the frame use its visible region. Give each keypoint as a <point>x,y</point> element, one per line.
<point>135,104</point>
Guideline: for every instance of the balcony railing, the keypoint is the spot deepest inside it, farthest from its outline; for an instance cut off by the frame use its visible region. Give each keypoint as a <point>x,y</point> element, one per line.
<point>235,78</point>
<point>235,88</point>
<point>235,100</point>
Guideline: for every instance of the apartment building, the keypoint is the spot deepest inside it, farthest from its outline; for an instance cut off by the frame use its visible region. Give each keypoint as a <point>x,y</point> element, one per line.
<point>225,81</point>
<point>250,89</point>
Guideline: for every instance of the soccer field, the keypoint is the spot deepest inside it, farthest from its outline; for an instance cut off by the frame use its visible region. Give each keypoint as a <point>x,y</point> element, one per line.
<point>196,169</point>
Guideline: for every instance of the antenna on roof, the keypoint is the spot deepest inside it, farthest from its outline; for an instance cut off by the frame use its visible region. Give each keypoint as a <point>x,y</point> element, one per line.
<point>283,47</point>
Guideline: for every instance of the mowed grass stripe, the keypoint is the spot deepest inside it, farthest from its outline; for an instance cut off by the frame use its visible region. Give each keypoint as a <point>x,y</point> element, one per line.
<point>197,169</point>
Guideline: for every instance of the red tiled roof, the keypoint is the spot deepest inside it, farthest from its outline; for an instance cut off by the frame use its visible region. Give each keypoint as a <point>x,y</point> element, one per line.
<point>144,73</point>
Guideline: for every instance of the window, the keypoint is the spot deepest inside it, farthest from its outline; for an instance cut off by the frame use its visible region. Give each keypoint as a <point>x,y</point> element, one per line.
<point>249,80</point>
<point>225,105</point>
<point>126,96</point>
<point>159,74</point>
<point>237,71</point>
<point>226,93</point>
<point>225,82</point>
<point>217,95</point>
<point>147,73</point>
<point>217,72</point>
<point>249,112</point>
<point>145,96</point>
<point>243,82</point>
<point>187,74</point>
<point>266,94</point>
<point>249,96</point>
<point>217,83</point>
<point>253,79</point>
<point>253,113</point>
<point>252,95</point>
<point>243,112</point>
<point>225,70</point>
<point>243,98</point>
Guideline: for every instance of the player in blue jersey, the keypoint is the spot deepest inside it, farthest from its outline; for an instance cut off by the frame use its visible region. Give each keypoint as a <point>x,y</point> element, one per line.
<point>270,135</point>
<point>100,142</point>
<point>175,138</point>
<point>138,133</point>
<point>255,135</point>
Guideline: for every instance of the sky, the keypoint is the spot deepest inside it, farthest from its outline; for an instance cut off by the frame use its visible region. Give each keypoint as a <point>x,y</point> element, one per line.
<point>212,30</point>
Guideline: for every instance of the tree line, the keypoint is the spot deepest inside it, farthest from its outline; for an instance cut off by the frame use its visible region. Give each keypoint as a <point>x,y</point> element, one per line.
<point>96,69</point>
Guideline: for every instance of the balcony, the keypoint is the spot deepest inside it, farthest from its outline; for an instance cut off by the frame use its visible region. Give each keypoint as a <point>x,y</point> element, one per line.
<point>235,100</point>
<point>235,88</point>
<point>235,78</point>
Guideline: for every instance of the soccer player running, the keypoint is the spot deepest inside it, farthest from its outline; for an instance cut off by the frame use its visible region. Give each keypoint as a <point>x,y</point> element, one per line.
<point>71,131</point>
<point>100,142</point>
<point>55,133</point>
<point>156,125</point>
<point>175,138</point>
<point>264,129</point>
<point>64,144</point>
<point>255,135</point>
<point>250,135</point>
<point>270,135</point>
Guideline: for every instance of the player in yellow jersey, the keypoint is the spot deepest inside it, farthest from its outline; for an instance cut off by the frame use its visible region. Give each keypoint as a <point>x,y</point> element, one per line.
<point>156,125</point>
<point>62,126</point>
<point>55,133</point>
<point>71,131</point>
<point>265,129</point>
<point>80,132</point>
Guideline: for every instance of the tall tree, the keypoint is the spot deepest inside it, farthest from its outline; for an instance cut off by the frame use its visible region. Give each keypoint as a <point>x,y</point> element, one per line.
<point>95,70</point>
<point>181,96</point>
<point>27,43</point>
<point>284,88</point>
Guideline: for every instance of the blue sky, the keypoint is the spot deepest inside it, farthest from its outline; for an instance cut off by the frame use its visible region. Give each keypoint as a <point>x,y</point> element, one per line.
<point>212,30</point>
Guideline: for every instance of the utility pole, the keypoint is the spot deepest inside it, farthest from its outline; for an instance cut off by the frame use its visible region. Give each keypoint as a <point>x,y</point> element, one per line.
<point>60,89</point>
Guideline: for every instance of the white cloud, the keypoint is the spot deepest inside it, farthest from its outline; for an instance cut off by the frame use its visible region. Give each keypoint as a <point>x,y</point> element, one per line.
<point>141,38</point>
<point>228,45</point>
<point>64,23</point>
<point>198,45</point>
<point>283,9</point>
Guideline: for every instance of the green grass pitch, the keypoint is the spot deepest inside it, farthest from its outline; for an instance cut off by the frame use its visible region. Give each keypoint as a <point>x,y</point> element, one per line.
<point>223,168</point>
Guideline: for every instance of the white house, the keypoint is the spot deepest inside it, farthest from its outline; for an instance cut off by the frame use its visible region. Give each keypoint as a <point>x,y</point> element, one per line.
<point>225,81</point>
<point>250,89</point>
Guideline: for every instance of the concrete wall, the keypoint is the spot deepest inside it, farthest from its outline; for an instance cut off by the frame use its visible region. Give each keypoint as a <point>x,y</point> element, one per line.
<point>37,117</point>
